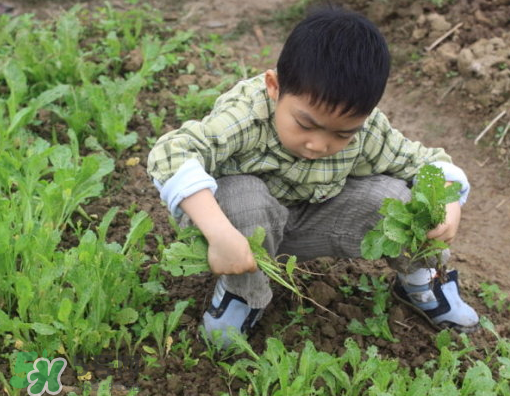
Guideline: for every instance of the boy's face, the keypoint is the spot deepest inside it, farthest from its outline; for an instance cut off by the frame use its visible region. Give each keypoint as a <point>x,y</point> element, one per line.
<point>310,132</point>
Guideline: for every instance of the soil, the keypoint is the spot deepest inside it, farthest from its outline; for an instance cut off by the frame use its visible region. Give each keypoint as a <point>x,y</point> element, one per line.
<point>443,97</point>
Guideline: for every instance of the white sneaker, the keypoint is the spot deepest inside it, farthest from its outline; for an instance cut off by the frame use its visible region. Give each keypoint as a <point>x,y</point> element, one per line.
<point>228,310</point>
<point>439,303</point>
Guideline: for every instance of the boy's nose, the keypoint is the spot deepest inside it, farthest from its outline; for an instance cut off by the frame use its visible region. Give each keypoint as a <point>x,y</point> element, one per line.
<point>317,145</point>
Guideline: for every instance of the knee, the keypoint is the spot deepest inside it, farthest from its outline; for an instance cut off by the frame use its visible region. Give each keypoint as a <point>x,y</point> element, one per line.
<point>386,187</point>
<point>246,200</point>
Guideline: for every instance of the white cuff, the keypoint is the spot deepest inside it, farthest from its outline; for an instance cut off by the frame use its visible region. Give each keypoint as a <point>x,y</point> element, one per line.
<point>189,179</point>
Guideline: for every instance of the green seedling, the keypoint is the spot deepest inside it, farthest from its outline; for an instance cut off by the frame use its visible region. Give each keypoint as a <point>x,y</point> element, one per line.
<point>184,346</point>
<point>161,326</point>
<point>157,121</point>
<point>196,103</point>
<point>404,226</point>
<point>188,256</point>
<point>493,296</point>
<point>378,325</point>
<point>214,345</point>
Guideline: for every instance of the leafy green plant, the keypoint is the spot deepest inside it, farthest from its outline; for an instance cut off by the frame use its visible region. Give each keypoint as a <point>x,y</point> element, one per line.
<point>196,103</point>
<point>157,121</point>
<point>73,301</point>
<point>378,325</point>
<point>404,226</point>
<point>281,372</point>
<point>493,296</point>
<point>161,326</point>
<point>184,346</point>
<point>188,256</point>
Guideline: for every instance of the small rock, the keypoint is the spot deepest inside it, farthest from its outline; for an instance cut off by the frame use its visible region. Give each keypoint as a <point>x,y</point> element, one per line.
<point>433,66</point>
<point>464,62</point>
<point>480,17</point>
<point>185,80</point>
<point>419,33</point>
<point>322,293</point>
<point>134,60</point>
<point>328,330</point>
<point>449,51</point>
<point>438,23</point>
<point>397,314</point>
<point>215,24</point>
<point>475,87</point>
<point>174,383</point>
<point>378,11</point>
<point>350,311</point>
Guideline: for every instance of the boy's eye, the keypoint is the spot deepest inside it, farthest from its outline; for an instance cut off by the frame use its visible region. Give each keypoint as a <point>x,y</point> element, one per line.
<point>306,128</point>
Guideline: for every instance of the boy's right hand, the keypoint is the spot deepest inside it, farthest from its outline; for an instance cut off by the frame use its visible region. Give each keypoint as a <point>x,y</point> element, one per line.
<point>230,254</point>
<point>229,251</point>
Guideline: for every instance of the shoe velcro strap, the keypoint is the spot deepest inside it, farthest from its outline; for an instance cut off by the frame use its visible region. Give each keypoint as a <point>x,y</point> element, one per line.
<point>444,305</point>
<point>217,312</point>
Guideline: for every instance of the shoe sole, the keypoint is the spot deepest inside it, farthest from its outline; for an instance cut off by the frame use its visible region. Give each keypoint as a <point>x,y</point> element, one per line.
<point>438,327</point>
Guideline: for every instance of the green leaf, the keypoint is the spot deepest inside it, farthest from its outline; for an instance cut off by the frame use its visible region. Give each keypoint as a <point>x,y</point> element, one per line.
<point>175,316</point>
<point>395,230</point>
<point>452,193</point>
<point>43,329</point>
<point>258,236</point>
<point>65,309</point>
<point>398,211</point>
<point>391,248</point>
<point>126,316</point>
<point>181,259</point>
<point>372,245</point>
<point>141,224</point>
<point>25,294</point>
<point>149,350</point>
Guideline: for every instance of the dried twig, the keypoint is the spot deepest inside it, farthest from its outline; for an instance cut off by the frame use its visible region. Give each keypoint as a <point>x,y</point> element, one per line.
<point>259,35</point>
<point>488,127</point>
<point>440,39</point>
<point>482,164</point>
<point>505,131</point>
<point>403,324</point>
<point>454,85</point>
<point>501,203</point>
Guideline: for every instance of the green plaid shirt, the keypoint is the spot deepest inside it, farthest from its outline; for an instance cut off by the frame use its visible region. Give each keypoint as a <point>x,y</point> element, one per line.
<point>239,137</point>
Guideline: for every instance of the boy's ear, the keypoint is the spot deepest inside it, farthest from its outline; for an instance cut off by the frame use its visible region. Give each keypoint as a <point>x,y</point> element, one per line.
<point>272,84</point>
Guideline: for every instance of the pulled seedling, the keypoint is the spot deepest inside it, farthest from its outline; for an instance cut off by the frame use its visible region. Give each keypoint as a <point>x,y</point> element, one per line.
<point>188,256</point>
<point>404,226</point>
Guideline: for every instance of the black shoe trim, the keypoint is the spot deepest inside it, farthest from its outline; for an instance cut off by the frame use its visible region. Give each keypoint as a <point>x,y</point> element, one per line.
<point>400,294</point>
<point>250,320</point>
<point>217,312</point>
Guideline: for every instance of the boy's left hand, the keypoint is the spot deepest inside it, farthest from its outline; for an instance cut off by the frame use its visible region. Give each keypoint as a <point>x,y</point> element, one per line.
<point>446,231</point>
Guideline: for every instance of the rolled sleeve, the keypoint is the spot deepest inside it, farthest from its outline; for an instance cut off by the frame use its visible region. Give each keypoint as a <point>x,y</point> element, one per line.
<point>189,179</point>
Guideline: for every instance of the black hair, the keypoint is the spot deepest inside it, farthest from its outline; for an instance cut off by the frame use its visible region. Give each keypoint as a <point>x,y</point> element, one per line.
<point>338,58</point>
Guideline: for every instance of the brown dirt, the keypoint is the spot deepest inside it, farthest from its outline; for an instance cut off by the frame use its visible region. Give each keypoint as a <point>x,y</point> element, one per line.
<point>417,103</point>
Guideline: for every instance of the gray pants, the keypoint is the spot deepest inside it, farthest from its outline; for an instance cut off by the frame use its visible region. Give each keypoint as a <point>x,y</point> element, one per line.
<point>332,228</point>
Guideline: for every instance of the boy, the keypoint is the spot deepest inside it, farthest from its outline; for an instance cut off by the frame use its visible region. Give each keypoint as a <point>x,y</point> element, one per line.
<point>303,152</point>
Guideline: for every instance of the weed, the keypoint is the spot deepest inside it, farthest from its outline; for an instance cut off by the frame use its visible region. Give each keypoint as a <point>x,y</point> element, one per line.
<point>157,121</point>
<point>184,346</point>
<point>378,325</point>
<point>493,296</point>
<point>196,103</point>
<point>404,227</point>
<point>161,326</point>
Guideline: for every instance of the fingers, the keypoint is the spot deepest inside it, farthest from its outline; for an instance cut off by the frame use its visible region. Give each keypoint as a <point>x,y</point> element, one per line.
<point>443,232</point>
